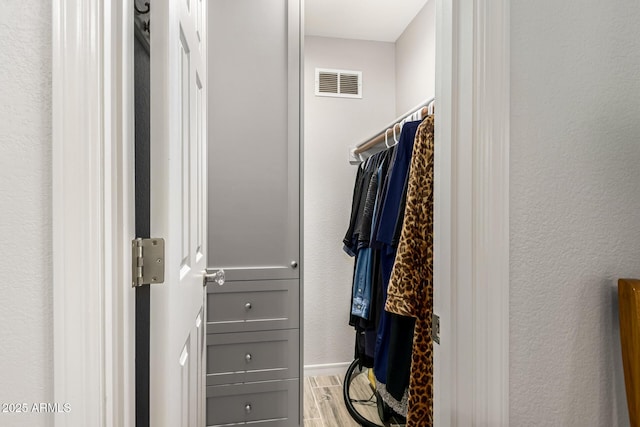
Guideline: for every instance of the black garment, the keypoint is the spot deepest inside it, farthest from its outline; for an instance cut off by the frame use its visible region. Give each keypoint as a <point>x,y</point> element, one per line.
<point>349,246</point>
<point>386,173</point>
<point>367,191</point>
<point>400,349</point>
<point>364,231</point>
<point>366,181</point>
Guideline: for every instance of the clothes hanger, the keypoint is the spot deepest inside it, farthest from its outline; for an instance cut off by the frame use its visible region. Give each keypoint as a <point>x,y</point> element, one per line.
<point>386,138</point>
<point>394,132</point>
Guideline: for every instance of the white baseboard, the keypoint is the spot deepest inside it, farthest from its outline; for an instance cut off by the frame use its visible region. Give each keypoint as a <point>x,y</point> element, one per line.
<point>326,369</point>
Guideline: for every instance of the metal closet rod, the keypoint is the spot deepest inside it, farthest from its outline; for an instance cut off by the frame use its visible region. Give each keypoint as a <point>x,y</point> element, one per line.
<point>393,128</point>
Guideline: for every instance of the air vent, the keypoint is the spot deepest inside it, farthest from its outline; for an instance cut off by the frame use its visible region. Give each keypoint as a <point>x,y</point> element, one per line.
<point>338,83</point>
<point>327,82</point>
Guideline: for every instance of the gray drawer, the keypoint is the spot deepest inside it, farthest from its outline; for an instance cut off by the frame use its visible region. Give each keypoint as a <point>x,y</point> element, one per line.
<point>253,306</point>
<point>252,356</point>
<point>268,404</point>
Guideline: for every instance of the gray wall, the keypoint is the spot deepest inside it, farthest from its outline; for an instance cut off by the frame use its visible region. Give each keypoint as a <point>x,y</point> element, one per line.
<point>575,206</point>
<point>331,127</point>
<point>416,60</point>
<point>26,350</point>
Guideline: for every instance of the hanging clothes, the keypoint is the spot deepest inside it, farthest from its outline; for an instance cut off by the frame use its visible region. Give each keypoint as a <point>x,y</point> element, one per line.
<point>384,203</point>
<point>390,213</point>
<point>410,291</point>
<point>366,297</point>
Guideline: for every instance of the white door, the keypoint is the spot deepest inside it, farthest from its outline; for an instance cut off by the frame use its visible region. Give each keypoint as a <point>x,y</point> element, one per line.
<point>178,211</point>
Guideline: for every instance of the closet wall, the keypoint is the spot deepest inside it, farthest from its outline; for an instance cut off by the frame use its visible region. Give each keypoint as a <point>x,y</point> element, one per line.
<point>574,206</point>
<point>331,127</point>
<point>415,60</point>
<point>26,360</point>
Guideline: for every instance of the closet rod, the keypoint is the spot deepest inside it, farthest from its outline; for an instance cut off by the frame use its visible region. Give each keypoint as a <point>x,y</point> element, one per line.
<point>387,132</point>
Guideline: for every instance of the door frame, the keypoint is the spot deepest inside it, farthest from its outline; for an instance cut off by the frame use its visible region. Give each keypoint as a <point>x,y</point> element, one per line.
<point>92,173</point>
<point>471,234</point>
<point>93,223</point>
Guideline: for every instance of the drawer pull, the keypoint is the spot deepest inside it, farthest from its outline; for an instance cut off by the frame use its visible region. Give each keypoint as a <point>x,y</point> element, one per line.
<point>248,306</point>
<point>248,357</point>
<point>247,408</point>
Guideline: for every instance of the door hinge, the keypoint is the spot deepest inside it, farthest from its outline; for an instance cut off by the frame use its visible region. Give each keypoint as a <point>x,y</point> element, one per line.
<point>435,328</point>
<point>147,261</point>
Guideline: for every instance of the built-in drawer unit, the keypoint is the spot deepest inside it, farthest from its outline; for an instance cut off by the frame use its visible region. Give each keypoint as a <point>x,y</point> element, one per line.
<point>252,356</point>
<point>267,404</point>
<point>255,305</point>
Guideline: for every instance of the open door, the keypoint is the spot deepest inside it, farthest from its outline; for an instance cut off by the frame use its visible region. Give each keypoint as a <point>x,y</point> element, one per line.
<point>178,211</point>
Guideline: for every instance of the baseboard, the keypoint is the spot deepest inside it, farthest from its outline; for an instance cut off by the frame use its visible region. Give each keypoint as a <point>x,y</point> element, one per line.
<point>326,369</point>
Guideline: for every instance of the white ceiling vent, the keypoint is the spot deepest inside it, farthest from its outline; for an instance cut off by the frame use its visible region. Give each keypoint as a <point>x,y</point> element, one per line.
<point>338,83</point>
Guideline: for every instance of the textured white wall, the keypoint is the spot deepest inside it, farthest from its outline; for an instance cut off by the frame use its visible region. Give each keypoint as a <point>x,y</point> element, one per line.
<point>332,126</point>
<point>416,60</point>
<point>575,206</point>
<point>26,366</point>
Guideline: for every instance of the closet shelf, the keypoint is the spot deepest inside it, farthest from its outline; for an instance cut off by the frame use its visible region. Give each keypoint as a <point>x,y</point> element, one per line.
<point>390,133</point>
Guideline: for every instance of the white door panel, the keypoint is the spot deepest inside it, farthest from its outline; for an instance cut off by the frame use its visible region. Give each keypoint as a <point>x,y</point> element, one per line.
<point>178,163</point>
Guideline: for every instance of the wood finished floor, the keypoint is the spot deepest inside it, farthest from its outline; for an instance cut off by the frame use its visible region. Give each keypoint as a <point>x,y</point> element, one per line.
<point>324,405</point>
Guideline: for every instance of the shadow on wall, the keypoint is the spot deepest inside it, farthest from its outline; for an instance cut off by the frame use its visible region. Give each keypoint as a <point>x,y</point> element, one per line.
<point>609,378</point>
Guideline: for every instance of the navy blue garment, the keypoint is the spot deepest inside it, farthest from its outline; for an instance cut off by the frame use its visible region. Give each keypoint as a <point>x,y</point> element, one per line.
<point>390,214</point>
<point>381,354</point>
<point>399,171</point>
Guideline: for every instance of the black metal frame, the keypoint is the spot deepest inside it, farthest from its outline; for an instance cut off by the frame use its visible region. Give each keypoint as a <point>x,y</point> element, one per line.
<point>142,12</point>
<point>143,230</point>
<point>348,377</point>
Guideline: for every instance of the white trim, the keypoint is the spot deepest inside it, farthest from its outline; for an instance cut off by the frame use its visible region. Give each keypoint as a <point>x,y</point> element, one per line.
<point>471,265</point>
<point>491,212</point>
<point>120,225</point>
<point>78,212</point>
<point>324,369</point>
<point>91,214</point>
<point>443,375</point>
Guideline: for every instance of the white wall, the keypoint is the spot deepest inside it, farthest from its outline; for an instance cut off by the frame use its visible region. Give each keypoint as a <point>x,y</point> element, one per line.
<point>416,60</point>
<point>26,366</point>
<point>332,126</point>
<point>575,206</point>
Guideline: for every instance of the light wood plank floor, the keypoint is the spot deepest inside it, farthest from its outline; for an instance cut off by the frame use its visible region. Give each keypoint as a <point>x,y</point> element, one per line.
<point>324,405</point>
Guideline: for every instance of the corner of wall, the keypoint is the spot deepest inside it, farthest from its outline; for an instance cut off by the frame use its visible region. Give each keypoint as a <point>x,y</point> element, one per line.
<point>415,60</point>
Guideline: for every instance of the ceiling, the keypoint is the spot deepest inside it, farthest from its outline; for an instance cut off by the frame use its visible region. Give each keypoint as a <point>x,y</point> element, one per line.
<point>379,20</point>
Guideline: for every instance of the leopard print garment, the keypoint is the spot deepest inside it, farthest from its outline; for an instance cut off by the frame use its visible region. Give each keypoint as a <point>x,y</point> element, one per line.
<point>410,290</point>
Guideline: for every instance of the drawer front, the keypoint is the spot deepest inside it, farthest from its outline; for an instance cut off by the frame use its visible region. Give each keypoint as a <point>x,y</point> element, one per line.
<point>252,356</point>
<point>268,404</point>
<point>253,306</point>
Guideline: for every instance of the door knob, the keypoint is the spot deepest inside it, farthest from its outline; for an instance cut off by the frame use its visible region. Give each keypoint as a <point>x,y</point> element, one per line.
<point>215,277</point>
<point>248,306</point>
<point>294,264</point>
<point>247,408</point>
<point>248,357</point>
